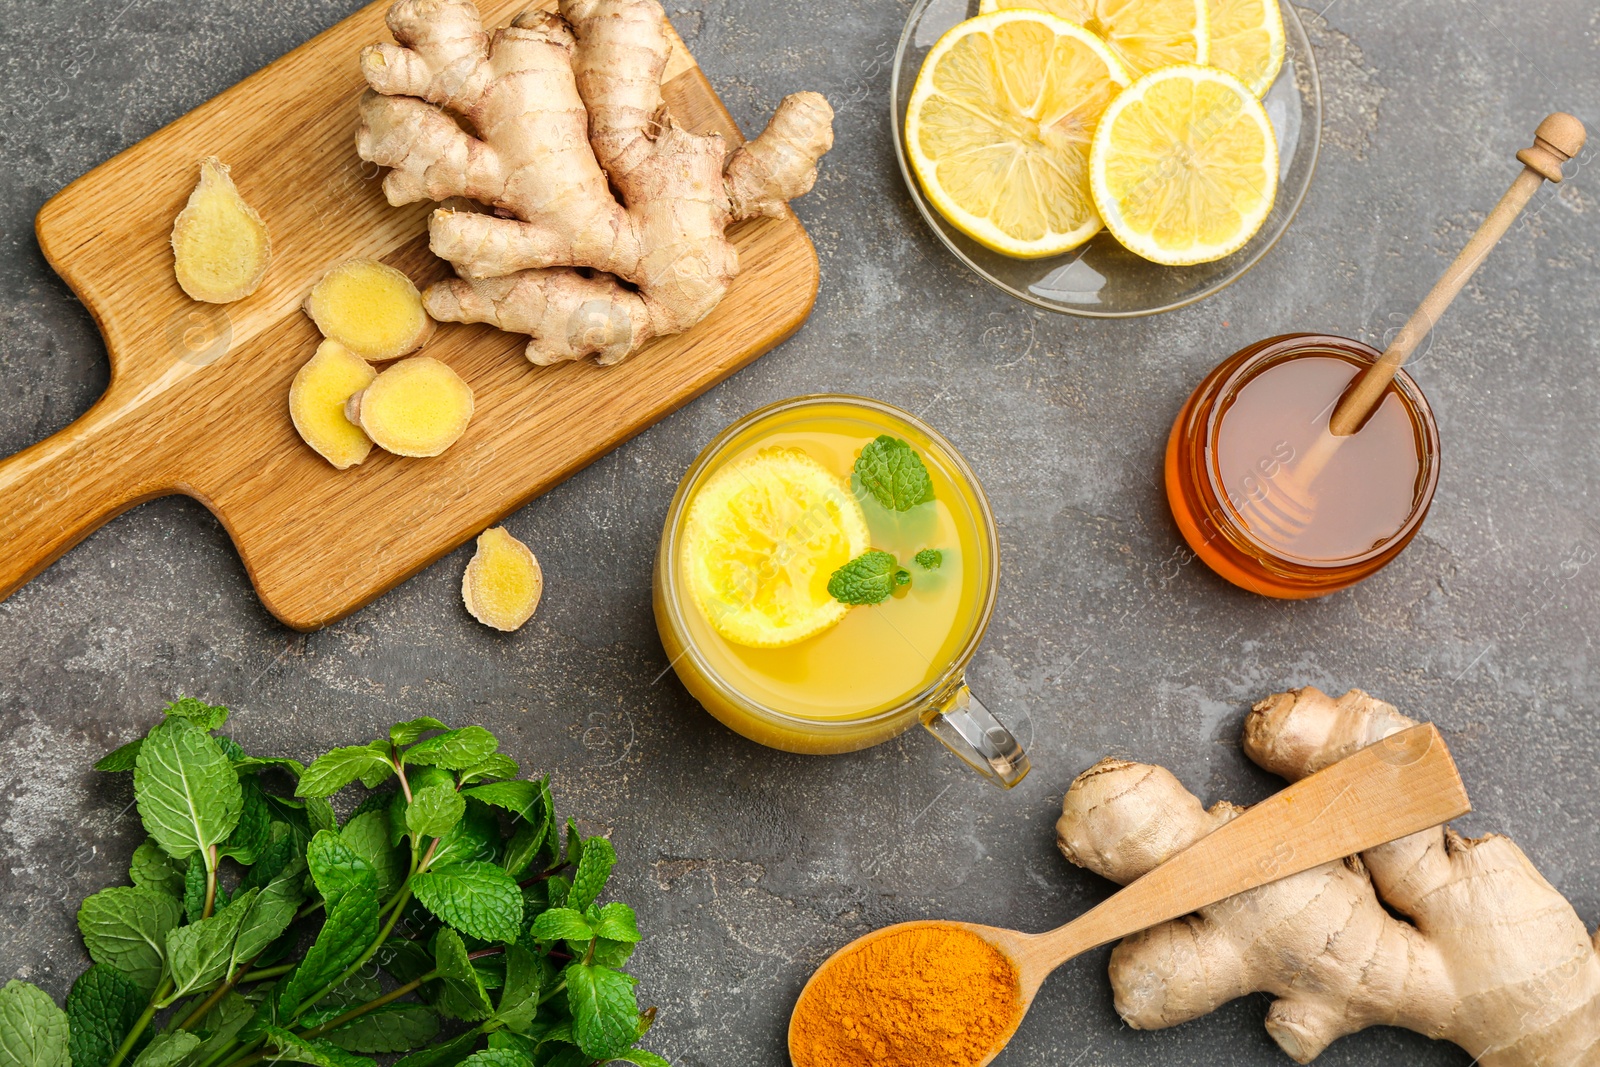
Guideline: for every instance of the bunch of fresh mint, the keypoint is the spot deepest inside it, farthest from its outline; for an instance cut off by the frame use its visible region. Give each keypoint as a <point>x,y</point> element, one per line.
<point>892,472</point>
<point>446,918</point>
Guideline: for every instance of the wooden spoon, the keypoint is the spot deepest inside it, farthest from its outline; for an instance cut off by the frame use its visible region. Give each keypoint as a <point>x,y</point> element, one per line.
<point>1401,785</point>
<point>1286,512</point>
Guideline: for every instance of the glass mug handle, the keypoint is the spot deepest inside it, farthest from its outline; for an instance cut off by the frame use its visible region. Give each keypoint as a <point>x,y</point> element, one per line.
<point>968,729</point>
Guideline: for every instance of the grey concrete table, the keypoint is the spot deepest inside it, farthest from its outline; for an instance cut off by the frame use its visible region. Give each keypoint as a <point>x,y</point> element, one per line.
<point>749,866</point>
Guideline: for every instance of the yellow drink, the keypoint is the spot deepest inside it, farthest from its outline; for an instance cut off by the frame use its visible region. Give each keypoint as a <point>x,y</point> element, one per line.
<point>884,665</point>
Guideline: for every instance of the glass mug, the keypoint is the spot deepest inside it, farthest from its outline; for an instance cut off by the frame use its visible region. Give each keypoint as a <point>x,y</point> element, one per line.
<point>884,667</point>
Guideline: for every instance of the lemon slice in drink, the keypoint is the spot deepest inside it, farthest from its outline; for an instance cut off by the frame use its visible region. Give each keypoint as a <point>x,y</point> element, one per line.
<point>1144,34</point>
<point>1185,166</point>
<point>1247,40</point>
<point>999,128</point>
<point>762,537</point>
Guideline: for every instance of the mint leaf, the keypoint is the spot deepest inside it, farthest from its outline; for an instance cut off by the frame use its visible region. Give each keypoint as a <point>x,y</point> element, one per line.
<point>868,579</point>
<point>605,1015</point>
<point>498,765</point>
<point>219,1026</point>
<point>476,898</point>
<point>269,916</point>
<point>351,925</point>
<point>126,927</point>
<point>250,836</point>
<point>521,799</point>
<point>641,1058</point>
<point>533,838</point>
<point>102,1008</point>
<point>594,869</point>
<point>194,889</point>
<point>561,924</point>
<point>404,733</point>
<point>391,1028</point>
<point>367,835</point>
<point>151,868</point>
<point>461,994</point>
<point>168,1050</point>
<point>337,869</point>
<point>332,771</point>
<point>929,559</point>
<point>455,750</point>
<point>617,923</point>
<point>434,811</point>
<point>497,1057</point>
<point>476,838</point>
<point>121,759</point>
<point>198,954</point>
<point>892,472</point>
<point>320,816</point>
<point>519,1000</point>
<point>207,717</point>
<point>33,1031</point>
<point>449,1054</point>
<point>187,792</point>
<point>292,1048</point>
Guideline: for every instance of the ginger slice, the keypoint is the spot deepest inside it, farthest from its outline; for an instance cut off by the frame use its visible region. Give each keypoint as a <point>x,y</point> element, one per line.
<point>418,407</point>
<point>317,400</point>
<point>220,246</point>
<point>503,582</point>
<point>371,308</point>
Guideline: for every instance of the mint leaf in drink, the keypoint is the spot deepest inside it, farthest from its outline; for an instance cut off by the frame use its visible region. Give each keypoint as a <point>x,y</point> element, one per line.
<point>594,869</point>
<point>101,1009</point>
<point>168,1050</point>
<point>434,811</point>
<point>479,899</point>
<point>126,927</point>
<point>454,751</point>
<point>893,473</point>
<point>406,733</point>
<point>333,771</point>
<point>187,791</point>
<point>203,715</point>
<point>121,759</point>
<point>870,578</point>
<point>605,1015</point>
<point>198,954</point>
<point>461,995</point>
<point>151,868</point>
<point>929,559</point>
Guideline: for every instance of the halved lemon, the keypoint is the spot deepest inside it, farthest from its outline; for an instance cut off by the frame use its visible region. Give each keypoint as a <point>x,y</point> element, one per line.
<point>762,537</point>
<point>1185,165</point>
<point>1144,34</point>
<point>999,128</point>
<point>1247,40</point>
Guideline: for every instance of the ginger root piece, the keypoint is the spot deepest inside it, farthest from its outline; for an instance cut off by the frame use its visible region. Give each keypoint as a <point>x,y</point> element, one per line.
<point>317,401</point>
<point>565,109</point>
<point>418,407</point>
<point>1488,954</point>
<point>503,582</point>
<point>371,308</point>
<point>220,245</point>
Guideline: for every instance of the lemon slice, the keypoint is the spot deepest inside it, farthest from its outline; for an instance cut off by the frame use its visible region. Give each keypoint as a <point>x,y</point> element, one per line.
<point>999,128</point>
<point>1144,34</point>
<point>761,540</point>
<point>1185,166</point>
<point>1247,40</point>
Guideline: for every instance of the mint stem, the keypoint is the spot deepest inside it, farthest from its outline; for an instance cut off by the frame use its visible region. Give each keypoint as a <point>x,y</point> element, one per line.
<point>141,1023</point>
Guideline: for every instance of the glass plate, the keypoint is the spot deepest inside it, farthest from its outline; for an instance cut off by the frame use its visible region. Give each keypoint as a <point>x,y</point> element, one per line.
<point>1101,279</point>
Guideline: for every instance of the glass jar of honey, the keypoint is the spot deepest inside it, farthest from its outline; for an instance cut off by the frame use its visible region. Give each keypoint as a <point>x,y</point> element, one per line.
<point>1271,500</point>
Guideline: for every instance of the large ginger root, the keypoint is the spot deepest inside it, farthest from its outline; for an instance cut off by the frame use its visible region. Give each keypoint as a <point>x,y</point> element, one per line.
<point>567,108</point>
<point>220,246</point>
<point>1492,957</point>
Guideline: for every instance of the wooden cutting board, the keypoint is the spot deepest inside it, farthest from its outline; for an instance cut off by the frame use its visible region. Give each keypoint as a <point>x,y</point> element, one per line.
<point>198,401</point>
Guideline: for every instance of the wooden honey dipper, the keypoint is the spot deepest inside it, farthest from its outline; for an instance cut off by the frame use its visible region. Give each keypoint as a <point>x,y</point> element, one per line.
<point>1288,512</point>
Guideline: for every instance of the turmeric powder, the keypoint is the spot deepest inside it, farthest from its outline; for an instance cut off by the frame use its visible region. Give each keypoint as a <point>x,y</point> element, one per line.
<point>931,995</point>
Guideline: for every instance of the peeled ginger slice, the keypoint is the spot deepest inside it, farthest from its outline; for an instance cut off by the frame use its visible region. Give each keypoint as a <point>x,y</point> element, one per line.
<point>418,407</point>
<point>371,308</point>
<point>503,583</point>
<point>317,401</point>
<point>220,245</point>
